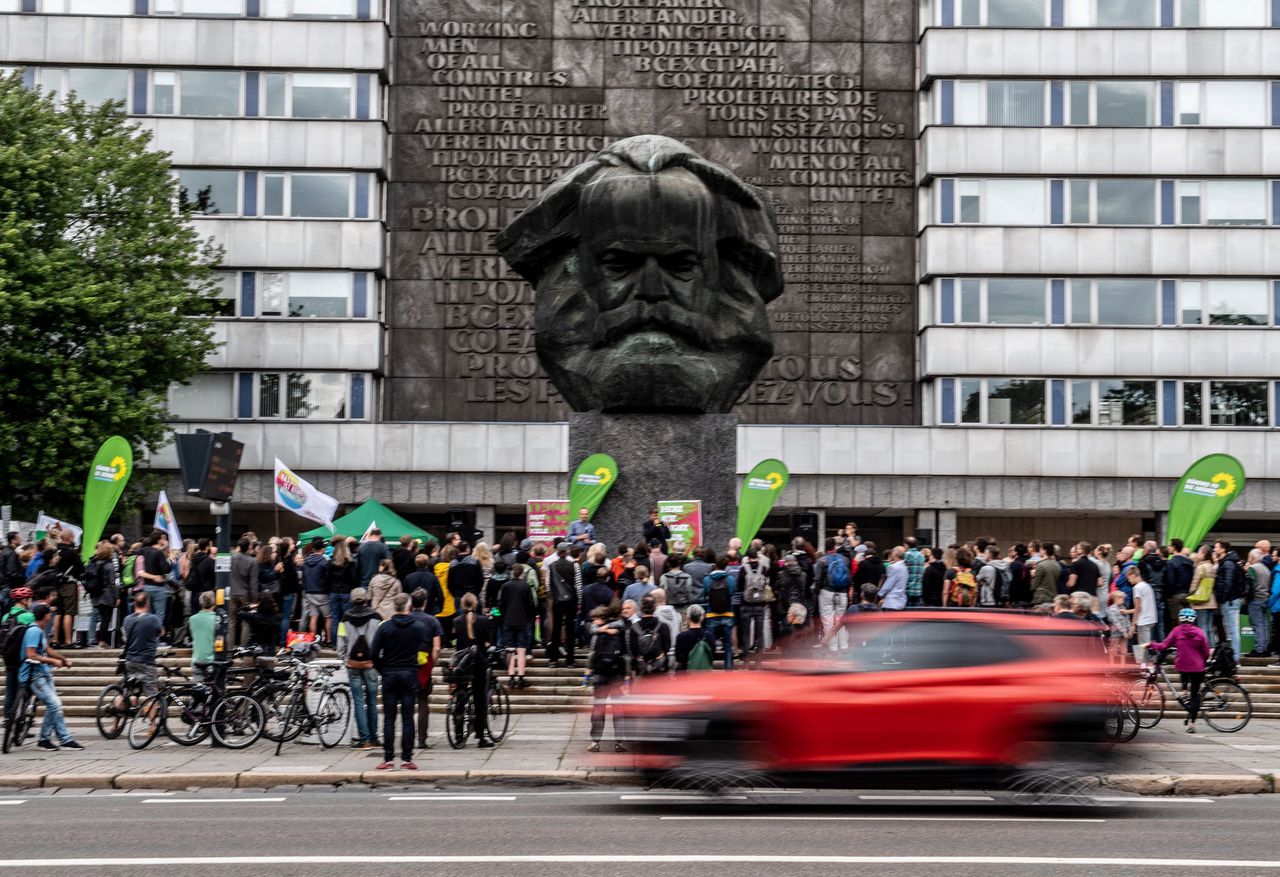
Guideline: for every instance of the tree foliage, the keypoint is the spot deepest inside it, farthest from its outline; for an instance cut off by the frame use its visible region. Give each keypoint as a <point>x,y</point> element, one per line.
<point>105,293</point>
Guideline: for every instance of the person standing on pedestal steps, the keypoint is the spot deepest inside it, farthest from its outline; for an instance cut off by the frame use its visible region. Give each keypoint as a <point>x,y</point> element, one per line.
<point>564,588</point>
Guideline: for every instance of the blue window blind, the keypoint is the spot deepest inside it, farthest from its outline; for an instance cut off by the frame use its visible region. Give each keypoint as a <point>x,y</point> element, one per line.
<point>253,8</point>
<point>357,397</point>
<point>248,307</point>
<point>28,77</point>
<point>1275,13</point>
<point>360,295</point>
<point>1166,13</point>
<point>1277,406</point>
<point>1055,13</point>
<point>1275,99</point>
<point>1058,302</point>
<point>244,401</point>
<point>364,82</point>
<point>362,196</point>
<point>1275,202</point>
<point>251,94</point>
<point>364,10</point>
<point>29,6</point>
<point>1169,392</point>
<point>948,13</point>
<point>948,400</point>
<point>1168,303</point>
<point>947,94</point>
<point>140,7</point>
<point>1166,104</point>
<point>250,193</point>
<point>1055,202</point>
<point>139,92</point>
<point>1275,309</point>
<point>1058,402</point>
<point>947,209</point>
<point>1168,203</point>
<point>1055,103</point>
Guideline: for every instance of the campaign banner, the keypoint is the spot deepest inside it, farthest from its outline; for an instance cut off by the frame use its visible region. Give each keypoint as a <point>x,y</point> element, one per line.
<point>167,521</point>
<point>759,492</point>
<point>547,520</point>
<point>591,481</point>
<point>108,474</point>
<point>298,496</point>
<point>1203,493</point>
<point>684,517</point>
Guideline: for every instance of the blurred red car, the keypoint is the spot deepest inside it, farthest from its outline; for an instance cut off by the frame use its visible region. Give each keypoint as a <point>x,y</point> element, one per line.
<point>918,699</point>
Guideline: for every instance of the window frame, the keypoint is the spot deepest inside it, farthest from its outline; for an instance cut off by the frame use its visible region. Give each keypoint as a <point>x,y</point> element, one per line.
<point>1206,406</point>
<point>283,376</point>
<point>178,92</point>
<point>287,195</point>
<point>350,276</point>
<point>289,84</point>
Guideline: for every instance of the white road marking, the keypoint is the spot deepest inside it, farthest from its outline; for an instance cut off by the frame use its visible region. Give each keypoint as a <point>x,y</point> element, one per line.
<point>880,819</point>
<point>686,797</point>
<point>134,862</point>
<point>926,798</point>
<point>13,801</point>
<point>245,800</point>
<point>450,797</point>
<point>1136,799</point>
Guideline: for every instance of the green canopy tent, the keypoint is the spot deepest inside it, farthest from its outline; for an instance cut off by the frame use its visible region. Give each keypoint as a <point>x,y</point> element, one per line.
<point>355,522</point>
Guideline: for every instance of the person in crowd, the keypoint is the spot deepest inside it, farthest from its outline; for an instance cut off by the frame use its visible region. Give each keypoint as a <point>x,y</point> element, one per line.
<point>506,550</point>
<point>203,627</point>
<point>11,575</point>
<point>1192,659</point>
<point>356,630</point>
<point>370,555</point>
<point>598,593</point>
<point>678,584</point>
<point>668,615</point>
<point>961,585</point>
<point>563,579</point>
<point>641,587</point>
<point>343,576</point>
<point>269,568</point>
<point>402,556</point>
<point>655,529</point>
<point>718,589</point>
<point>154,573</point>
<point>893,592</point>
<point>1259,594</point>
<point>1145,610</point>
<point>202,576</point>
<point>608,665</point>
<point>914,559</point>
<point>383,588</point>
<point>471,630</point>
<point>832,580</point>
<point>1044,580</point>
<point>444,561</point>
<point>141,642</point>
<point>1119,628</point>
<point>703,562</point>
<point>39,657</point>
<point>516,612</point>
<point>649,641</point>
<point>290,584</point>
<point>1230,588</point>
<point>316,605</point>
<point>418,600</point>
<point>244,587</point>
<point>689,639</point>
<point>394,652</point>
<point>1179,572</point>
<point>100,585</point>
<point>582,532</point>
<point>499,574</point>
<point>422,578</point>
<point>1202,599</point>
<point>933,577</point>
<point>18,615</point>
<point>263,619</point>
<point>595,560</point>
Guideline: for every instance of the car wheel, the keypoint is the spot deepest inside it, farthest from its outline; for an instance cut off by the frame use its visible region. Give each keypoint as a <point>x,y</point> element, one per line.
<point>1054,788</point>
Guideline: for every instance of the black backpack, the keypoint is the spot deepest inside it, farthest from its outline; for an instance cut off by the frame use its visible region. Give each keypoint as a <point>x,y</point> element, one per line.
<point>719,596</point>
<point>606,654</point>
<point>561,591</point>
<point>648,646</point>
<point>793,581</point>
<point>360,650</point>
<point>1222,663</point>
<point>12,633</point>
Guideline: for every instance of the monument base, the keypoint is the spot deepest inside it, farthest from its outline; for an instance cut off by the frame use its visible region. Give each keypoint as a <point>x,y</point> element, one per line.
<point>661,457</point>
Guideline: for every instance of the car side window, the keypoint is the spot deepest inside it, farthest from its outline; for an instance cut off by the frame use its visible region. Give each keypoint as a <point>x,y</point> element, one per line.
<point>931,645</point>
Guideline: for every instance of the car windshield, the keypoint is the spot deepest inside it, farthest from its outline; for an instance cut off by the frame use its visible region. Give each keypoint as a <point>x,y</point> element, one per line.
<point>921,645</point>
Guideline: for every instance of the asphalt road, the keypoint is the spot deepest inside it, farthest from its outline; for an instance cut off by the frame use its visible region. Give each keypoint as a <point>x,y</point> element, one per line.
<point>505,830</point>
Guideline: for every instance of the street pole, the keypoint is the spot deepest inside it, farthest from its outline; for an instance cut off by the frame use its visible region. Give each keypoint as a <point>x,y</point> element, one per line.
<point>221,512</point>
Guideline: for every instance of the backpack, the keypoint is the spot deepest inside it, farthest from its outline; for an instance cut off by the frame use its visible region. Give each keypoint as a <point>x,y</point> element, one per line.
<point>719,595</point>
<point>93,584</point>
<point>838,571</point>
<point>461,666</point>
<point>680,591</point>
<point>963,588</point>
<point>561,591</point>
<point>1238,587</point>
<point>1222,663</point>
<point>126,573</point>
<point>12,633</point>
<point>794,580</point>
<point>699,656</point>
<point>756,590</point>
<point>606,654</point>
<point>360,653</point>
<point>648,647</point>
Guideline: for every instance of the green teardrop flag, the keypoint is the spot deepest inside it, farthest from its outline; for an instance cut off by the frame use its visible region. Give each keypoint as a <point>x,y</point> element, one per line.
<point>112,466</point>
<point>759,492</point>
<point>1202,495</point>
<point>590,482</point>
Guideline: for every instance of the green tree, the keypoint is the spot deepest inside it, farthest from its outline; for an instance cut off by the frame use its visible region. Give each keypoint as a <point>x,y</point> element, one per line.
<point>105,293</point>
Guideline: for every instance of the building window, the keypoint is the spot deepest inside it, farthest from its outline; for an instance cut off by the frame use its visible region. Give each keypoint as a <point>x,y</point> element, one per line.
<point>210,192</point>
<point>308,196</point>
<point>226,294</point>
<point>302,395</point>
<point>196,92</point>
<point>1124,104</point>
<point>1015,401</point>
<point>1238,403</point>
<point>1015,102</point>
<point>1126,403</point>
<point>310,95</point>
<point>316,294</point>
<point>86,7</point>
<point>93,85</point>
<point>1126,13</point>
<point>1228,104</point>
<point>227,8</point>
<point>1126,202</point>
<point>1127,302</point>
<point>310,8</point>
<point>1236,303</point>
<point>208,396</point>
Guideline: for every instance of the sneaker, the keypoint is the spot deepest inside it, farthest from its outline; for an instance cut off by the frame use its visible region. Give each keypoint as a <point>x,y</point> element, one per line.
<point>1191,729</point>
<point>357,744</point>
<point>594,747</point>
<point>366,745</point>
<point>386,765</point>
<point>408,765</point>
<point>619,747</point>
<point>485,744</point>
<point>73,746</point>
<point>47,744</point>
<point>554,664</point>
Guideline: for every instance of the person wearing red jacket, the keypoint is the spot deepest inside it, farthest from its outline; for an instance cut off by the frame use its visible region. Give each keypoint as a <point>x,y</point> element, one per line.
<point>1191,660</point>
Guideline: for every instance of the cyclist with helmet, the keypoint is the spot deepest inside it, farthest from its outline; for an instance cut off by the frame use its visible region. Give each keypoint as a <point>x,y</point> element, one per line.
<point>1192,658</point>
<point>19,614</point>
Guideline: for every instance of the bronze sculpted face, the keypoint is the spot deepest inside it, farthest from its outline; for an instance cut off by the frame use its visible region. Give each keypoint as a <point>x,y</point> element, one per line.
<point>652,267</point>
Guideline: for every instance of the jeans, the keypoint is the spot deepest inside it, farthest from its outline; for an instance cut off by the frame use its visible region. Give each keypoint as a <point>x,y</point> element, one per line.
<point>286,615</point>
<point>752,636</point>
<point>399,695</point>
<point>338,606</point>
<point>158,598</point>
<point>722,629</point>
<point>831,606</point>
<point>1260,620</point>
<point>1231,621</point>
<point>1204,621</point>
<point>54,724</point>
<point>562,618</point>
<point>364,703</point>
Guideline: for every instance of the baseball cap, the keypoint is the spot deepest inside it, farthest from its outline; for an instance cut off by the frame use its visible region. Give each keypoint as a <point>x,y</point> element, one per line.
<point>861,549</point>
<point>563,546</point>
<point>359,595</point>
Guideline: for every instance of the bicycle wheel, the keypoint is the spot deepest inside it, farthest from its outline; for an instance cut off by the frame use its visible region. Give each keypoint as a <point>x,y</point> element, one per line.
<point>25,718</point>
<point>499,713</point>
<point>456,725</point>
<point>333,717</point>
<point>1225,706</point>
<point>295,717</point>
<point>1129,717</point>
<point>112,711</point>
<point>187,717</point>
<point>237,721</point>
<point>275,702</point>
<point>15,723</point>
<point>1148,697</point>
<point>146,722</point>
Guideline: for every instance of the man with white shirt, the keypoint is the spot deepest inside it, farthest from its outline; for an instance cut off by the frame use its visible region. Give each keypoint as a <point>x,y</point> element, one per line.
<point>1145,611</point>
<point>893,593</point>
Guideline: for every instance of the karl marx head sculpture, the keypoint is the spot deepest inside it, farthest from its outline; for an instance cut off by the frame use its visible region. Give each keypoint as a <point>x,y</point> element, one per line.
<point>653,267</point>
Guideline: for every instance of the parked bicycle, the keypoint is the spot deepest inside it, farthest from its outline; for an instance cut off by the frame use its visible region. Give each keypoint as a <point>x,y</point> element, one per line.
<point>189,712</point>
<point>18,724</point>
<point>118,702</point>
<point>460,713</point>
<point>312,702</point>
<point>1224,704</point>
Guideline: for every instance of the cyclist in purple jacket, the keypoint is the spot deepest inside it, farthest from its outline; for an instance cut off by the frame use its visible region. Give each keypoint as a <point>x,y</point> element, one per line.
<point>1190,662</point>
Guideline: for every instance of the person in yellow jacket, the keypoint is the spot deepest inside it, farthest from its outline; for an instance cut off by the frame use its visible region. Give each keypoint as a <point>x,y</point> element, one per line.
<point>441,569</point>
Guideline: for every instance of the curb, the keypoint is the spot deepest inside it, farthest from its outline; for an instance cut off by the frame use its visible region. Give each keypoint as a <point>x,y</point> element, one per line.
<point>1153,785</point>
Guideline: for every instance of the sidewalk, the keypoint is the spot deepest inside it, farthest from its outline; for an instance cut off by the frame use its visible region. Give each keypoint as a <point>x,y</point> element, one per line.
<point>552,748</point>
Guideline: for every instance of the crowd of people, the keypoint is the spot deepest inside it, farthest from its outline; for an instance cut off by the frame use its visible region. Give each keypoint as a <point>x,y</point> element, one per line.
<point>659,606</point>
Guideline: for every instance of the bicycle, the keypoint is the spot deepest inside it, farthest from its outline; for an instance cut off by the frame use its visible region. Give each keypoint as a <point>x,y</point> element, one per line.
<point>202,708</point>
<point>1224,704</point>
<point>332,716</point>
<point>460,714</point>
<point>118,701</point>
<point>18,724</point>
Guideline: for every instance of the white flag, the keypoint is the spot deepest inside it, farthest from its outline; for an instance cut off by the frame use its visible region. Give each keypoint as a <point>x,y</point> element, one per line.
<point>301,498</point>
<point>167,521</point>
<point>368,532</point>
<point>46,524</point>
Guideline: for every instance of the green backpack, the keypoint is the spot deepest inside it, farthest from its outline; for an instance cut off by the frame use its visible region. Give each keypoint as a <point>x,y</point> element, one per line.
<point>699,656</point>
<point>126,572</point>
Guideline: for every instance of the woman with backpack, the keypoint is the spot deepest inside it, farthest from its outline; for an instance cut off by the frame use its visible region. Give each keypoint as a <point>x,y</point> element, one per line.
<point>608,665</point>
<point>1193,656</point>
<point>678,585</point>
<point>471,630</point>
<point>100,585</point>
<point>355,640</point>
<point>961,587</point>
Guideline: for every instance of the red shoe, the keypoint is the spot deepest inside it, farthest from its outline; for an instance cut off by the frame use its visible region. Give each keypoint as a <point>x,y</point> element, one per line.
<point>386,765</point>
<point>408,765</point>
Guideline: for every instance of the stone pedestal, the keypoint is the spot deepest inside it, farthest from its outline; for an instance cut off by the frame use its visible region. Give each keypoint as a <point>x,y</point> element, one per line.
<point>661,456</point>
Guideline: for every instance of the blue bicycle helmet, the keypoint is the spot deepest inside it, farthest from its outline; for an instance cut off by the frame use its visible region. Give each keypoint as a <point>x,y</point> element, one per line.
<point>1186,615</point>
